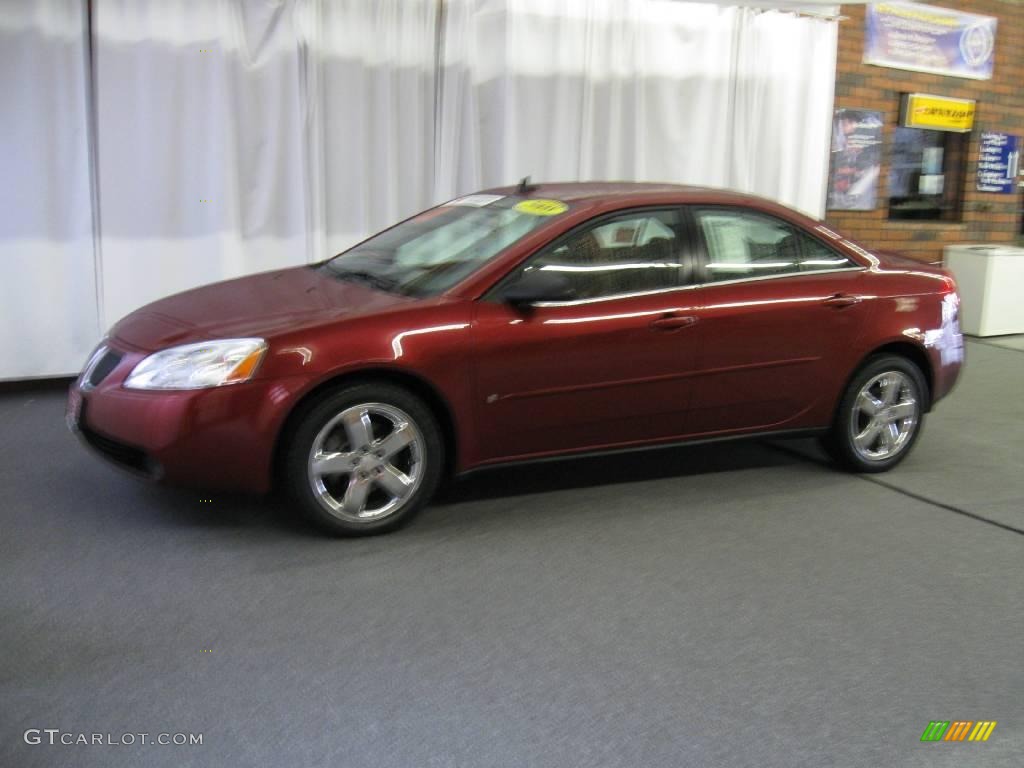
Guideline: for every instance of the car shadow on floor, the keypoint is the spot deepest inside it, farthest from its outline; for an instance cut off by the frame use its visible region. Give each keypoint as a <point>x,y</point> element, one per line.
<point>162,506</point>
<point>625,467</point>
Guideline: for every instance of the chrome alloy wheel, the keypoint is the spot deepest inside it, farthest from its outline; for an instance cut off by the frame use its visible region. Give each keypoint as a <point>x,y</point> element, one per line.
<point>366,462</point>
<point>884,416</point>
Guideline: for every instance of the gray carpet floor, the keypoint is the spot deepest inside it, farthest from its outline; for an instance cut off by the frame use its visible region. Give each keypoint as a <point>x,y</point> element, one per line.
<point>731,605</point>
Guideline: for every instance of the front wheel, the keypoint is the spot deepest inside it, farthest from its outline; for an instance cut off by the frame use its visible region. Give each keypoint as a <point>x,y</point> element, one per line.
<point>880,415</point>
<point>365,459</point>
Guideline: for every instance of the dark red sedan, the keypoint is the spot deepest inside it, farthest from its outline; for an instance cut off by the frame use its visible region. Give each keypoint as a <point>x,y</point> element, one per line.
<point>518,324</point>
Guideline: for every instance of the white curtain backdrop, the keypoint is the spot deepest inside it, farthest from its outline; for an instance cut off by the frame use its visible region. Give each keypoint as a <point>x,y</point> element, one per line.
<point>646,91</point>
<point>235,136</point>
<point>239,136</point>
<point>784,91</point>
<point>48,311</point>
<point>376,64</point>
<point>201,145</point>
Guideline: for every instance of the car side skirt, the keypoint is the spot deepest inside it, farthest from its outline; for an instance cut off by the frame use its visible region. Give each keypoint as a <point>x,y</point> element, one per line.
<point>618,450</point>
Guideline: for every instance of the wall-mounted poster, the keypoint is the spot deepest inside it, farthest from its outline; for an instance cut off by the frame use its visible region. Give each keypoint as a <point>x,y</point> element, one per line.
<point>856,160</point>
<point>924,38</point>
<point>998,161</point>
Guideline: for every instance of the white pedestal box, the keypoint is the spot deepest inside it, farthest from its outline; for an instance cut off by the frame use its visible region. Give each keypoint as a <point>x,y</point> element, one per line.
<point>991,283</point>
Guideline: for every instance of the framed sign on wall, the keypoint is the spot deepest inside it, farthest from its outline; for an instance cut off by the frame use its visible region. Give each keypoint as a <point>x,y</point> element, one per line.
<point>925,38</point>
<point>856,160</point>
<point>998,162</point>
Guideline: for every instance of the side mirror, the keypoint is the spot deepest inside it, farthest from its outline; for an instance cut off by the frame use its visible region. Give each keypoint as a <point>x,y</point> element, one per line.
<point>538,285</point>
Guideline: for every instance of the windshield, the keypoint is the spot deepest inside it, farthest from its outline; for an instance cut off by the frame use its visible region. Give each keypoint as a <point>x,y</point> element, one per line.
<point>433,251</point>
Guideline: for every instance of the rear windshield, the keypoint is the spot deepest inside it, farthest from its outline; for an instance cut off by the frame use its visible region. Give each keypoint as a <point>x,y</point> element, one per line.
<point>433,251</point>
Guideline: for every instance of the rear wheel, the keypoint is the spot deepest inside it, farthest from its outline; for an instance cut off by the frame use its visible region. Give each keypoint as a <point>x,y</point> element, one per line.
<point>365,459</point>
<point>880,415</point>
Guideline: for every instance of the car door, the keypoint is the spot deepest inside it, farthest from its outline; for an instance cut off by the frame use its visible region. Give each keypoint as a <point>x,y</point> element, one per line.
<point>607,368</point>
<point>776,307</point>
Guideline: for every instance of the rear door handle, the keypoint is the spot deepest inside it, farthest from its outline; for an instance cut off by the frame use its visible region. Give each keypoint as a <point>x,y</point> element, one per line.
<point>673,322</point>
<point>840,300</point>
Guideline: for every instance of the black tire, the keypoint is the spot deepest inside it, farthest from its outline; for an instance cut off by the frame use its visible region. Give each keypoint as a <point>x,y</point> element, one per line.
<point>321,431</point>
<point>851,421</point>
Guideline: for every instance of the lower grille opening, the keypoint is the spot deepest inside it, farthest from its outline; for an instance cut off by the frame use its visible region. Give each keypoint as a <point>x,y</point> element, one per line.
<point>124,455</point>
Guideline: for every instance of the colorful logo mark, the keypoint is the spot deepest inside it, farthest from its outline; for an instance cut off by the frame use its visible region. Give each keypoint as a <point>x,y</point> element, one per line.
<point>958,730</point>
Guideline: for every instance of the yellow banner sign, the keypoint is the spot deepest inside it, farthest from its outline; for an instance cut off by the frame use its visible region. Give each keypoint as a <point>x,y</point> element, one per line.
<point>937,113</point>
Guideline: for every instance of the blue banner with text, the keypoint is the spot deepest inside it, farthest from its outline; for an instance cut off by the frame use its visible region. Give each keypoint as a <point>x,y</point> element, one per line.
<point>925,38</point>
<point>998,160</point>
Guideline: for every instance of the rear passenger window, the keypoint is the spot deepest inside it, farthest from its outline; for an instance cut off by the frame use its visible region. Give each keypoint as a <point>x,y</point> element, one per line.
<point>817,255</point>
<point>743,245</point>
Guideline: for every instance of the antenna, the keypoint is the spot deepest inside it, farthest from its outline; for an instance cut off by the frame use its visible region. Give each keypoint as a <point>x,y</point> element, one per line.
<point>525,186</point>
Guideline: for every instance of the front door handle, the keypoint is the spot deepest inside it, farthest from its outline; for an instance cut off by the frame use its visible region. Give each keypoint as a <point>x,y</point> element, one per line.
<point>673,322</point>
<point>840,300</point>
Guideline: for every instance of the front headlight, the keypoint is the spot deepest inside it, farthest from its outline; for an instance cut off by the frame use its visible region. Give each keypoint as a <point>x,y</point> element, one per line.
<point>197,366</point>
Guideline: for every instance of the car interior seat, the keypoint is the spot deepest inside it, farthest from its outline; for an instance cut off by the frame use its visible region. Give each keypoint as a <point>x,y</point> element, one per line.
<point>584,250</point>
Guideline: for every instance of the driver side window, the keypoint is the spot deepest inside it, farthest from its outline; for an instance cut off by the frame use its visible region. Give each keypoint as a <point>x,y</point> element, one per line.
<point>630,253</point>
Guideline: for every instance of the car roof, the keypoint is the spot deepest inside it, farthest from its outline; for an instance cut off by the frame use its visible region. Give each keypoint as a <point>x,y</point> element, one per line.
<point>600,191</point>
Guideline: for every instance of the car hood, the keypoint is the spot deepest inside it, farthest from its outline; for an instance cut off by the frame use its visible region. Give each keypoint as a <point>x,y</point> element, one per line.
<point>258,305</point>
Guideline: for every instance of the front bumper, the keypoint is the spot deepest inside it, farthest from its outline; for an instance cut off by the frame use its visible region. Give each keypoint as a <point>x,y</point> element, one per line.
<point>220,438</point>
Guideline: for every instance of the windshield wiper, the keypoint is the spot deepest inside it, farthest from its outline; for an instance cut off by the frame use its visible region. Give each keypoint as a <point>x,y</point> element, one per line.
<point>370,278</point>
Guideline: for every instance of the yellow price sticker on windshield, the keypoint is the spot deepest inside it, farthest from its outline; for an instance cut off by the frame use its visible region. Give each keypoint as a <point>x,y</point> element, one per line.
<point>542,207</point>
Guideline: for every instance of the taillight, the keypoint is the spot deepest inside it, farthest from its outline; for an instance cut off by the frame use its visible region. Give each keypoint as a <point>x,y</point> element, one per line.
<point>951,307</point>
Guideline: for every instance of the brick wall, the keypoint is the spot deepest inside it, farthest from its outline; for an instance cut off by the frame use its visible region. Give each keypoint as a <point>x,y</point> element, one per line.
<point>986,217</point>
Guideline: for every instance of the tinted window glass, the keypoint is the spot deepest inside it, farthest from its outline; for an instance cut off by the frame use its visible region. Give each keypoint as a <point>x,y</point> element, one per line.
<point>433,251</point>
<point>815,255</point>
<point>632,253</point>
<point>744,245</point>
